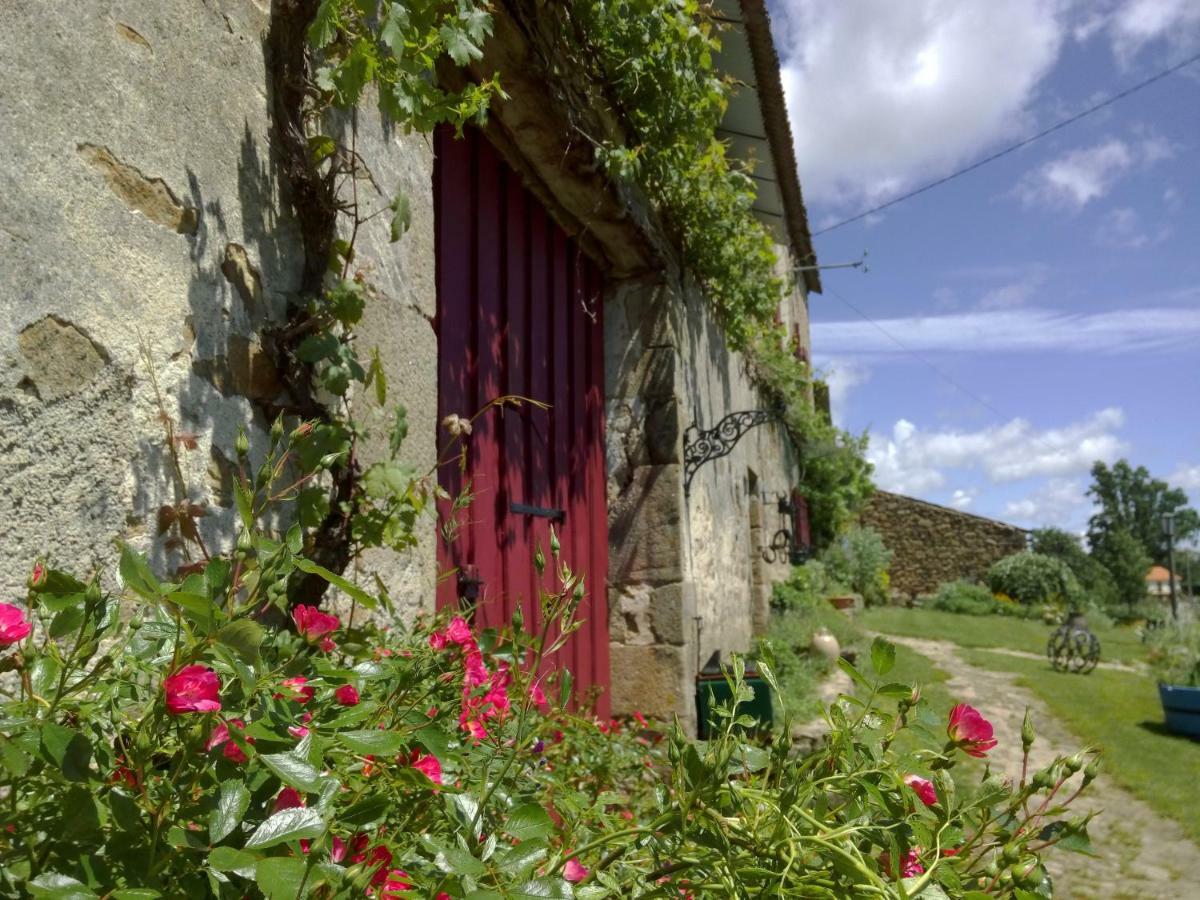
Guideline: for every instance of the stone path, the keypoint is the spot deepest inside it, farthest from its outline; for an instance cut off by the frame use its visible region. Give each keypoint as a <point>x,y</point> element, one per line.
<point>1143,856</point>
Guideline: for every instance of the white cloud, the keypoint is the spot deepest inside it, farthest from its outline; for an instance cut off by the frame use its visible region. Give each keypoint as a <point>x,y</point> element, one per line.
<point>914,461</point>
<point>1186,477</point>
<point>842,375</point>
<point>1016,330</point>
<point>1058,502</point>
<point>962,497</point>
<point>1122,228</point>
<point>1137,23</point>
<point>1081,176</point>
<point>883,94</point>
<point>1017,291</point>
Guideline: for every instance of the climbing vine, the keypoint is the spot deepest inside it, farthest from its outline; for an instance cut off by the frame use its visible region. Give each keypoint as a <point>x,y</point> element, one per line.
<point>656,58</point>
<point>327,57</point>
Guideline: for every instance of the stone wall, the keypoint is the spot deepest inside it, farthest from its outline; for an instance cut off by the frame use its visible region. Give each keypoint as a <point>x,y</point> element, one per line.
<point>934,544</point>
<point>687,575</point>
<point>145,244</point>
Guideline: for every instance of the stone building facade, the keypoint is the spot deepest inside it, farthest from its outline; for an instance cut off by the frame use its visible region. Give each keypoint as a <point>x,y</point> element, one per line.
<point>147,243</point>
<point>934,544</point>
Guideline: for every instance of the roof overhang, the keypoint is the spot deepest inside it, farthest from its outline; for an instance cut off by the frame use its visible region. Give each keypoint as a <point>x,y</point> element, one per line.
<point>756,128</point>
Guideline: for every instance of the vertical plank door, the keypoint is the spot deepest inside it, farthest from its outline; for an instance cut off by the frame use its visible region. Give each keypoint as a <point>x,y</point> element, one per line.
<point>520,312</point>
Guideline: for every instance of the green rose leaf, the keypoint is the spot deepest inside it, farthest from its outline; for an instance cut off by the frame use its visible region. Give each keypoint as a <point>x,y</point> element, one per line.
<point>280,877</point>
<point>293,771</point>
<point>527,821</point>
<point>68,749</point>
<point>59,887</point>
<point>372,741</point>
<point>230,859</point>
<point>232,804</point>
<point>883,655</point>
<point>287,825</point>
<point>243,636</point>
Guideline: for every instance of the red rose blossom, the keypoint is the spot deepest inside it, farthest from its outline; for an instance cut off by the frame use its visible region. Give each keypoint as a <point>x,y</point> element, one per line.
<point>923,788</point>
<point>312,624</point>
<point>289,798</point>
<point>13,626</point>
<point>428,764</point>
<point>970,731</point>
<point>910,863</point>
<point>346,695</point>
<point>574,870</point>
<point>394,884</point>
<point>298,689</point>
<point>193,688</point>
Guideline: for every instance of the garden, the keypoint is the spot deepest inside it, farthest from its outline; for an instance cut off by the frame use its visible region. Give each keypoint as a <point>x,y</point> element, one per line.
<point>985,643</point>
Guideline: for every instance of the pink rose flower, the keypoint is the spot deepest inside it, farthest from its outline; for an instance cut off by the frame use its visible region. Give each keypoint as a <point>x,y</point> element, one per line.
<point>438,640</point>
<point>13,625</point>
<point>537,695</point>
<point>459,632</point>
<point>428,764</point>
<point>312,624</point>
<point>923,788</point>
<point>328,644</point>
<point>231,750</point>
<point>298,689</point>
<point>476,671</point>
<point>394,884</point>
<point>970,731</point>
<point>574,870</point>
<point>289,798</point>
<point>910,863</point>
<point>298,731</point>
<point>346,695</point>
<point>192,689</point>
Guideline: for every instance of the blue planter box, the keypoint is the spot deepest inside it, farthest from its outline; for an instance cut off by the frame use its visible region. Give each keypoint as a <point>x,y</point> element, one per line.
<point>1181,708</point>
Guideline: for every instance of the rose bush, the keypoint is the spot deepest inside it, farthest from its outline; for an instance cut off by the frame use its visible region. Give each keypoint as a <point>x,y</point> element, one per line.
<point>172,742</point>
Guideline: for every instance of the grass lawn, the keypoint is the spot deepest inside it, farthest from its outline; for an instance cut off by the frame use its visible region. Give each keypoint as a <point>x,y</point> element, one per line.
<point>1117,644</point>
<point>1120,713</point>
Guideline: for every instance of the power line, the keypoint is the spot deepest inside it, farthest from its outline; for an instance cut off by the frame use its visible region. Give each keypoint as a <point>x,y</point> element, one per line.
<point>918,356</point>
<point>1014,147</point>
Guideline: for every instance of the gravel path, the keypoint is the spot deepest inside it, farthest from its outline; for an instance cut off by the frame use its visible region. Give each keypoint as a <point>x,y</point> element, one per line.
<point>1143,856</point>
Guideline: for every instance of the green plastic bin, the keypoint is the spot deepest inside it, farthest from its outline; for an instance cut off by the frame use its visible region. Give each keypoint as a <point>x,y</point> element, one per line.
<point>712,689</point>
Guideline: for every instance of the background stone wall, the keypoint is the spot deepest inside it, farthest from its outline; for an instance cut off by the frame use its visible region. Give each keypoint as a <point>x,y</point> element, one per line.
<point>145,244</point>
<point>686,574</point>
<point>934,544</point>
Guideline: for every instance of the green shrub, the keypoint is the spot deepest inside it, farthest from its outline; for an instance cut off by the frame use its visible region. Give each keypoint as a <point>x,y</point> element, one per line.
<point>860,560</point>
<point>1095,581</point>
<point>806,586</point>
<point>1031,578</point>
<point>1175,654</point>
<point>965,597</point>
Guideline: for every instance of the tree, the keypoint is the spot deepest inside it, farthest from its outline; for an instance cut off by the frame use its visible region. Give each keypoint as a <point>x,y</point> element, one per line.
<point>1127,561</point>
<point>1131,500</point>
<point>1094,579</point>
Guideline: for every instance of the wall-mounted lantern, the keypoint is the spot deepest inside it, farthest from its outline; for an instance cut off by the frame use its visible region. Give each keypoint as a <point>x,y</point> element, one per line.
<point>785,543</point>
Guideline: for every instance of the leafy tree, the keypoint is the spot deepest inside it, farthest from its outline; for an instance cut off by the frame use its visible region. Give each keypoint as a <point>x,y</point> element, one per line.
<point>1095,580</point>
<point>1032,578</point>
<point>1130,499</point>
<point>1127,561</point>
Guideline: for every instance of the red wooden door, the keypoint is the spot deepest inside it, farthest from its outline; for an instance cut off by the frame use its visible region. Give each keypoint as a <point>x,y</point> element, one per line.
<point>519,312</point>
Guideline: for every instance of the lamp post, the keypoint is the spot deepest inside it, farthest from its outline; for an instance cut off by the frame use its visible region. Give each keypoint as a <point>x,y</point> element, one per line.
<point>1168,527</point>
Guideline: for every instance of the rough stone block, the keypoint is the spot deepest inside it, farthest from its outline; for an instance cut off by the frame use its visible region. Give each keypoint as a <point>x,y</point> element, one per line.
<point>672,611</point>
<point>645,533</point>
<point>59,359</point>
<point>654,680</point>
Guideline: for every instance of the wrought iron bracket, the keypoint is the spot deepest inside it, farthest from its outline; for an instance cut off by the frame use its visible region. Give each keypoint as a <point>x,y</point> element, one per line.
<point>700,447</point>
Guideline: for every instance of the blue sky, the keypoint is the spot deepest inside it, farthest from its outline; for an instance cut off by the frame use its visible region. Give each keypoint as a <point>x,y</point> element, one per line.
<point>1048,304</point>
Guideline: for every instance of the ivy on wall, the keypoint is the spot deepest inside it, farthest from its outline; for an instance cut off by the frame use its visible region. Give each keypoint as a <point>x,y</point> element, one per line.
<point>653,60</point>
<point>656,58</point>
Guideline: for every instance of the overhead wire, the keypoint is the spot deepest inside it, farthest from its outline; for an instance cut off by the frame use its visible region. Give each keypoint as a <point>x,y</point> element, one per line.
<point>1012,148</point>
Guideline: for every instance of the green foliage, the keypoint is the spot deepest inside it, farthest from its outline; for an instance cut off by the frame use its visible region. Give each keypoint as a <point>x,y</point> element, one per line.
<point>656,58</point>
<point>860,560</point>
<point>1032,578</point>
<point>1126,560</point>
<point>395,47</point>
<point>965,597</point>
<point>804,588</point>
<point>1132,500</point>
<point>1175,653</point>
<point>1095,581</point>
